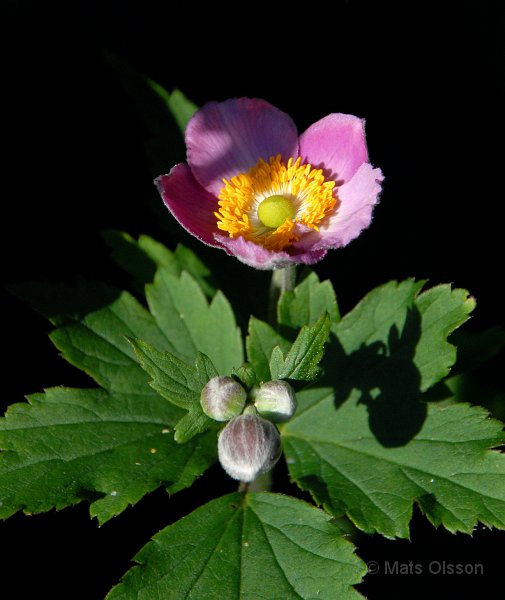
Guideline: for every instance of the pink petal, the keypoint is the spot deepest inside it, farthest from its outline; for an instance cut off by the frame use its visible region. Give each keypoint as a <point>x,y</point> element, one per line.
<point>335,144</point>
<point>190,204</point>
<point>354,213</point>
<point>309,257</point>
<point>259,257</point>
<point>224,139</point>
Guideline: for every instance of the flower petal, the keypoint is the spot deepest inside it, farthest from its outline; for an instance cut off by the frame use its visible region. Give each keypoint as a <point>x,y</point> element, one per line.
<point>309,257</point>
<point>190,204</point>
<point>224,139</point>
<point>335,144</point>
<point>354,213</point>
<point>259,257</point>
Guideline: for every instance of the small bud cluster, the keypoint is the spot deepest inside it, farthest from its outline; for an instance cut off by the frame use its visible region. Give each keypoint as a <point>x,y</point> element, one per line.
<point>250,442</point>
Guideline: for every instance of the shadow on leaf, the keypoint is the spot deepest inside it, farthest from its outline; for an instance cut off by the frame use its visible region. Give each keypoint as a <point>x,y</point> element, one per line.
<point>90,495</point>
<point>388,381</point>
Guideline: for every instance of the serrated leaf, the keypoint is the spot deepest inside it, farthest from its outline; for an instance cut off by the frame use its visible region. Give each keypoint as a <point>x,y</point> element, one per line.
<point>478,388</point>
<point>369,447</point>
<point>93,337</point>
<point>395,321</point>
<point>446,468</point>
<point>470,380</point>
<point>443,310</point>
<point>190,262</point>
<point>307,303</point>
<point>69,445</point>
<point>191,324</point>
<point>260,343</point>
<point>179,383</point>
<point>302,360</point>
<point>96,343</point>
<point>258,546</point>
<point>61,303</point>
<point>141,258</point>
<point>139,261</point>
<point>94,322</point>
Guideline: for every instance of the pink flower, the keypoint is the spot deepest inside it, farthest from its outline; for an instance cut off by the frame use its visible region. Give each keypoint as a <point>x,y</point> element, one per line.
<point>271,198</point>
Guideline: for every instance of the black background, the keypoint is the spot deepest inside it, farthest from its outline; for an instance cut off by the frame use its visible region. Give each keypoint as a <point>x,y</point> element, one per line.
<point>430,80</point>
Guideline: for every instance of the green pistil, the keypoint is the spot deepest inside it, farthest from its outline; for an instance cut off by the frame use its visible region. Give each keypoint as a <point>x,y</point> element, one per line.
<point>274,211</point>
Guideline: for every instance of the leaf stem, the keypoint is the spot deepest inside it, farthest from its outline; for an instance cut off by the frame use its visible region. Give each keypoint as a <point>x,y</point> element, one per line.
<point>283,280</point>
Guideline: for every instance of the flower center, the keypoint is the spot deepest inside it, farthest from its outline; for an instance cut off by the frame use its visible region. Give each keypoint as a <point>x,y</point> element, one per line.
<point>274,210</point>
<point>275,202</point>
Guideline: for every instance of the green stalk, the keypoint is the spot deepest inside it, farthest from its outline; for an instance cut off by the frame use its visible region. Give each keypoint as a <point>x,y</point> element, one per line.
<point>283,280</point>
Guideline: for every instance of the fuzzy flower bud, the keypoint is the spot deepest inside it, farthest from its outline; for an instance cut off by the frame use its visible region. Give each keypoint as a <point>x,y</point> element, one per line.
<point>222,398</point>
<point>275,400</point>
<point>248,446</point>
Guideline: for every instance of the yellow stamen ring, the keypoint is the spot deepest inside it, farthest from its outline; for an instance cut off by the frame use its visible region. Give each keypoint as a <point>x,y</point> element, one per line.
<point>265,204</point>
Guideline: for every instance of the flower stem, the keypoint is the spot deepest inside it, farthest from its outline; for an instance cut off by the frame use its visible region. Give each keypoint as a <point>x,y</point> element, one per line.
<point>283,280</point>
<point>262,483</point>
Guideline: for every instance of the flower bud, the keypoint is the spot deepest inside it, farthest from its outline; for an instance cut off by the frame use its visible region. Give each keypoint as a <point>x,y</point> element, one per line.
<point>222,398</point>
<point>275,400</point>
<point>248,446</point>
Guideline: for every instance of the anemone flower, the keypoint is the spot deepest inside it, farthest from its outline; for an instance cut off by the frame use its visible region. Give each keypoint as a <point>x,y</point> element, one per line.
<point>256,189</point>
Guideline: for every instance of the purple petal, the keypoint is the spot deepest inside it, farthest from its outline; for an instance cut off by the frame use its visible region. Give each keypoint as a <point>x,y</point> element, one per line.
<point>354,213</point>
<point>190,204</point>
<point>335,144</point>
<point>259,257</point>
<point>224,139</point>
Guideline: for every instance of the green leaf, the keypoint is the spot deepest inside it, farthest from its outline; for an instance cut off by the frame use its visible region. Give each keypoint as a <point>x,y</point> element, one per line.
<point>246,375</point>
<point>476,348</point>
<point>141,258</point>
<point>69,445</point>
<point>484,388</point>
<point>301,362</point>
<point>163,115</point>
<point>369,447</point>
<point>473,379</point>
<point>190,262</point>
<point>446,468</point>
<point>61,303</point>
<point>243,547</point>
<point>179,105</point>
<point>395,321</point>
<point>190,324</point>
<point>260,343</point>
<point>94,322</point>
<point>96,343</point>
<point>179,383</point>
<point>308,302</point>
<point>442,310</point>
